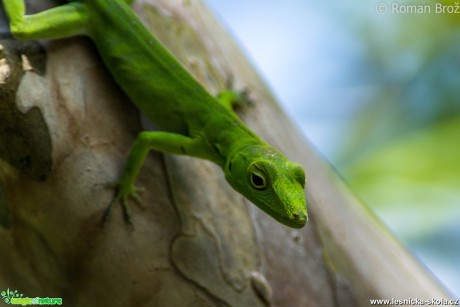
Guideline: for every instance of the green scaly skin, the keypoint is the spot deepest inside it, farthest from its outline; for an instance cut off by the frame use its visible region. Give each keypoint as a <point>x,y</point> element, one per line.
<point>192,121</point>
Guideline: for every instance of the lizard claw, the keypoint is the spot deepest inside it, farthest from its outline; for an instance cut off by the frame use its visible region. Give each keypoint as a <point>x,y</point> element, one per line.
<point>122,194</point>
<point>244,98</point>
<point>137,198</point>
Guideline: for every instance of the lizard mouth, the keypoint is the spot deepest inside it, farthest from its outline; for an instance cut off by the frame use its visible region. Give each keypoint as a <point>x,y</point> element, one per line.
<point>296,221</point>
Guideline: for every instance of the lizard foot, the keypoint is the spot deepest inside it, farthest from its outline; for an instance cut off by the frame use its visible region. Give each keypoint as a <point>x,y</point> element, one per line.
<point>122,194</point>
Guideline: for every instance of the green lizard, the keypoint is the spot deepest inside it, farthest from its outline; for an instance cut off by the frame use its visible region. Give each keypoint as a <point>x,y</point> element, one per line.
<point>193,122</point>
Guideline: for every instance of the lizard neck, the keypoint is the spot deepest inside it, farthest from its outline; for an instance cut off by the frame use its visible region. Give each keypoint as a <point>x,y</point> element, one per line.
<point>232,140</point>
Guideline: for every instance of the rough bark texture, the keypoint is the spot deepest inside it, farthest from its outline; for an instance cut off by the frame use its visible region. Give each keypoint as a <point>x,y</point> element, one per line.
<point>197,242</point>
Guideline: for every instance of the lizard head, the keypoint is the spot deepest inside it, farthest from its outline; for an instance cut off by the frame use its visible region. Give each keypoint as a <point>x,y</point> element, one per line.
<point>270,181</point>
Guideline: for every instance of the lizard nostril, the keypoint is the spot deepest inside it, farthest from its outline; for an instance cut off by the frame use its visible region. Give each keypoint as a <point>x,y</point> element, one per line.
<point>298,217</point>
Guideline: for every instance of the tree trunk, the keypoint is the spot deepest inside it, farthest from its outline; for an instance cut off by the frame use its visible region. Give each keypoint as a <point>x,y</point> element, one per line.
<point>65,131</point>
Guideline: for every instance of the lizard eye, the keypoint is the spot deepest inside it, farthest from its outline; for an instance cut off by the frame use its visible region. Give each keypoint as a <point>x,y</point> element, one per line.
<point>258,181</point>
<point>299,174</point>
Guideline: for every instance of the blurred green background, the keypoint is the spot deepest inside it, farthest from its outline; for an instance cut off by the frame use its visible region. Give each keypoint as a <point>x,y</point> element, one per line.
<point>377,91</point>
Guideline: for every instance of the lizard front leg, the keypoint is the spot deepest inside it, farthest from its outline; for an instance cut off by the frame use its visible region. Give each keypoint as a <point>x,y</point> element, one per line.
<point>232,98</point>
<point>150,140</point>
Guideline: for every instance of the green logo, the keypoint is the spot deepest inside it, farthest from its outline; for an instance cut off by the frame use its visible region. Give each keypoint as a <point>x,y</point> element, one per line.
<point>8,295</point>
<point>13,297</point>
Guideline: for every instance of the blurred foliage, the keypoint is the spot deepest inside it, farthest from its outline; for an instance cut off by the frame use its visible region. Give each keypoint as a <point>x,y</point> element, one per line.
<point>416,178</point>
<point>407,135</point>
<point>412,64</point>
<point>402,151</point>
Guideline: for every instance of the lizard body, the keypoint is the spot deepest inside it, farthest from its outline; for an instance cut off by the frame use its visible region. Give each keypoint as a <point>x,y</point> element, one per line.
<point>192,121</point>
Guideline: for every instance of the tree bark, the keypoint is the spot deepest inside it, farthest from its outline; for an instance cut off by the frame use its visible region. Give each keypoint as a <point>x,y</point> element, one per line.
<point>65,131</point>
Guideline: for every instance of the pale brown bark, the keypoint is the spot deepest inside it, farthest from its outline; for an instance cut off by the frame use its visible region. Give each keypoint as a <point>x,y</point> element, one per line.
<point>198,242</point>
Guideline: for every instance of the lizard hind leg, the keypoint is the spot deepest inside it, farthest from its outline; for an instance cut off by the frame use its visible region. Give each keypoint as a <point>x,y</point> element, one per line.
<point>58,22</point>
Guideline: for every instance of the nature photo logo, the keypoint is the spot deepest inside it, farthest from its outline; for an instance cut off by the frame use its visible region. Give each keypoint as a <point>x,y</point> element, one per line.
<point>13,297</point>
<point>8,295</point>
